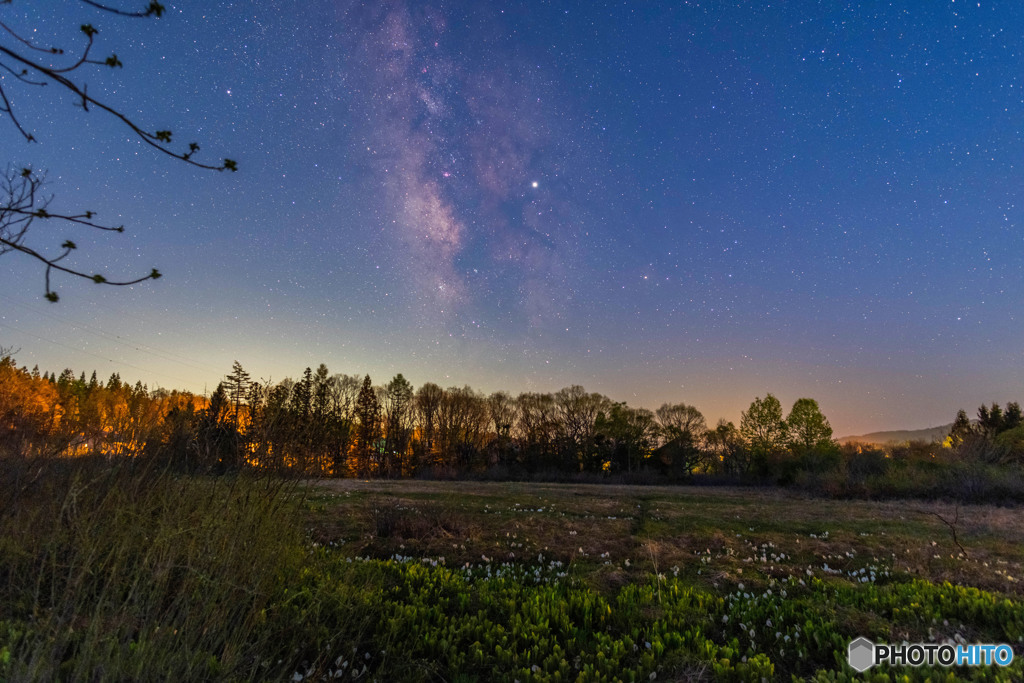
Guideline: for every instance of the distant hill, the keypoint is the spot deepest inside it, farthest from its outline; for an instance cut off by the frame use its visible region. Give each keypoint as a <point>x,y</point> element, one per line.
<point>927,435</point>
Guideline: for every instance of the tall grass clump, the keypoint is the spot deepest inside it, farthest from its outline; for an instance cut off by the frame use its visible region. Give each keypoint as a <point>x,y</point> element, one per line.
<point>126,570</point>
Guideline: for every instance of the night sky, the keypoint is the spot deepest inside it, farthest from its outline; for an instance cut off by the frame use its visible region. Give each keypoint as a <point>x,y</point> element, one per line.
<point>661,201</point>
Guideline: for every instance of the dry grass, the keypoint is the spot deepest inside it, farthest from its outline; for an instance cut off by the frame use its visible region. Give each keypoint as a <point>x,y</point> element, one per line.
<point>117,571</point>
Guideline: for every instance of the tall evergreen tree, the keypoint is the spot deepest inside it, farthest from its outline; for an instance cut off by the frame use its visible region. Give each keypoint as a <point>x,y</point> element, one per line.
<point>237,387</point>
<point>960,430</point>
<point>321,393</point>
<point>302,396</point>
<point>216,437</point>
<point>1013,417</point>
<point>990,420</point>
<point>397,414</point>
<point>368,428</point>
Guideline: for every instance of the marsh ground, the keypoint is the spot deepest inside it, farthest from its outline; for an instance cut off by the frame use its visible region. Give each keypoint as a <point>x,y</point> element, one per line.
<point>714,537</point>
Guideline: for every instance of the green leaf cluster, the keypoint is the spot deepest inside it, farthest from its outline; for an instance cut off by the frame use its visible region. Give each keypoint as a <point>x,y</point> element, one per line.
<point>432,621</point>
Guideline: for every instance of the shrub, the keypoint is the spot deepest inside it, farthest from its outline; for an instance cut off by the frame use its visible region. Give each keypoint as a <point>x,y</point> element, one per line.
<point>864,460</point>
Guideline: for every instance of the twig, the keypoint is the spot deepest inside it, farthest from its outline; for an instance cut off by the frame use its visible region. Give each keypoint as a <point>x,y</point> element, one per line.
<point>951,525</point>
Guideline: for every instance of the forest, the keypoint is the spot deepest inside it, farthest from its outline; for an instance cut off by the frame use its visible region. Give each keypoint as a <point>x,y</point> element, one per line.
<point>338,425</point>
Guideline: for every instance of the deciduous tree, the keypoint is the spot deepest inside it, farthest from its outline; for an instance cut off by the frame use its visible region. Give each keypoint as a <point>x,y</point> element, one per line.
<point>762,425</point>
<point>808,427</point>
<point>682,430</point>
<point>28,64</point>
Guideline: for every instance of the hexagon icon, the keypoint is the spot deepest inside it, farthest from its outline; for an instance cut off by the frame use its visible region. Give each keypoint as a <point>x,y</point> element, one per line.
<point>861,654</point>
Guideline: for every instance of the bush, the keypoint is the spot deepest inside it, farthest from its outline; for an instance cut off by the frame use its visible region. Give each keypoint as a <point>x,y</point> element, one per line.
<point>1011,443</point>
<point>821,460</point>
<point>864,460</point>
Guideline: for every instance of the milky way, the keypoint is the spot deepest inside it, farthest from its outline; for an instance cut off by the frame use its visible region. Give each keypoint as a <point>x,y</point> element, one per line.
<point>459,144</point>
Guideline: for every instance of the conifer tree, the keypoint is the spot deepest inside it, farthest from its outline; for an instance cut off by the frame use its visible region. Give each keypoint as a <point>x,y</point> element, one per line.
<point>368,429</point>
<point>960,430</point>
<point>237,387</point>
<point>397,408</point>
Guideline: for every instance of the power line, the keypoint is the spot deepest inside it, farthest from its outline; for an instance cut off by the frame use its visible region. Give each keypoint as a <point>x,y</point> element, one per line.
<point>95,355</point>
<point>138,346</point>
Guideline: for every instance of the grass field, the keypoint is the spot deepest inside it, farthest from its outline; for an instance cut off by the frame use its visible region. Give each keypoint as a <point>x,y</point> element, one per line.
<point>775,583</point>
<point>124,572</point>
<point>715,537</point>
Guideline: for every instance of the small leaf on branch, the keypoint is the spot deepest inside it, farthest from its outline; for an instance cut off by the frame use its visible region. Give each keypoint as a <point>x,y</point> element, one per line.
<point>88,30</point>
<point>231,164</point>
<point>88,214</point>
<point>41,213</point>
<point>69,245</point>
<point>163,135</point>
<point>98,279</point>
<point>113,61</point>
<point>26,172</point>
<point>155,8</point>
<point>155,274</point>
<point>52,297</point>
<point>119,228</point>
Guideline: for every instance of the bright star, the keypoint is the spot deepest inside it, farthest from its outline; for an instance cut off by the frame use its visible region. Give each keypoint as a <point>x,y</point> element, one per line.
<point>535,183</point>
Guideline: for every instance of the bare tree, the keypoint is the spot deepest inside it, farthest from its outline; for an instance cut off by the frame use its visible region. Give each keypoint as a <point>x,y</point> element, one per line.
<point>682,429</point>
<point>428,402</point>
<point>577,412</point>
<point>22,201</point>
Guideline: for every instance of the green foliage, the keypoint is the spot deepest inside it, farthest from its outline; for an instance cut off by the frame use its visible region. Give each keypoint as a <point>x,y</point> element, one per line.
<point>507,622</point>
<point>808,427</point>
<point>763,427</point>
<point>1011,442</point>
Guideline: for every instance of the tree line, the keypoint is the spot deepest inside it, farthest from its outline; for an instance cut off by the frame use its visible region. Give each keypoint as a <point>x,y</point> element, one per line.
<point>326,424</point>
<point>339,425</point>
